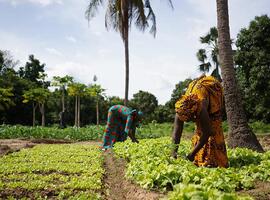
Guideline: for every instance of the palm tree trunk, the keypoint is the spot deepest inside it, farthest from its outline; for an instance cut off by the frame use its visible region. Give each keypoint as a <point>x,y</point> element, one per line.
<point>240,134</point>
<point>79,105</point>
<point>76,111</point>
<point>126,38</point>
<point>63,99</point>
<point>97,112</point>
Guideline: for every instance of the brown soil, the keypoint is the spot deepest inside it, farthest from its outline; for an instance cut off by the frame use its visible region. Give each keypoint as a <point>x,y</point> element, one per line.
<point>260,192</point>
<point>117,187</point>
<point>12,145</point>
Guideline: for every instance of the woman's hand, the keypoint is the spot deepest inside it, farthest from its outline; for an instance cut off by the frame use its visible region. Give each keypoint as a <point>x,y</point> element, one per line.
<point>190,157</point>
<point>135,140</point>
<point>174,154</point>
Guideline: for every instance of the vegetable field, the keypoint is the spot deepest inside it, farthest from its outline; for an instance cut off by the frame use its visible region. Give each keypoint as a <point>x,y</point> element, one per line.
<point>52,171</point>
<point>80,170</point>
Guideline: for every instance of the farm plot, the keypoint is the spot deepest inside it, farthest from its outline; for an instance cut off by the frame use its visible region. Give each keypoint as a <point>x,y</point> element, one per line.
<point>66,171</point>
<point>151,166</point>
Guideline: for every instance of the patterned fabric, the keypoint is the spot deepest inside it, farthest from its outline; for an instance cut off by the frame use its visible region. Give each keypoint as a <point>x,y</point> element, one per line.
<point>120,120</point>
<point>213,153</point>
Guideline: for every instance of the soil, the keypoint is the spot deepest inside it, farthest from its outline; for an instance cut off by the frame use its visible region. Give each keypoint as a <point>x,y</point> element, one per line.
<point>260,192</point>
<point>117,187</point>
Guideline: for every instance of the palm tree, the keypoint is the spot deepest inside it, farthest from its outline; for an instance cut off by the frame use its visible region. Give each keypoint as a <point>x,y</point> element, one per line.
<point>211,39</point>
<point>62,83</point>
<point>98,92</point>
<point>119,16</point>
<point>240,134</point>
<point>77,90</point>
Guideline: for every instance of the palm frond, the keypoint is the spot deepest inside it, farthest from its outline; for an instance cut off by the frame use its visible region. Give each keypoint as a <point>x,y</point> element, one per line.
<point>205,67</point>
<point>201,55</point>
<point>92,8</point>
<point>152,17</point>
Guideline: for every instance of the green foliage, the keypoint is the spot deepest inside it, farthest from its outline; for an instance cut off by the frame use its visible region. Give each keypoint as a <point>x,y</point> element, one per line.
<point>150,165</point>
<point>70,133</point>
<point>253,72</point>
<point>6,98</point>
<point>32,71</point>
<point>76,89</point>
<point>145,102</point>
<point>37,95</point>
<point>179,90</point>
<point>69,171</point>
<point>195,192</point>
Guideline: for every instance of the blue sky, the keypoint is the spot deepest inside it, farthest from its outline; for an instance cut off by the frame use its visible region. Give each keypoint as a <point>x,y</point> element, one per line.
<point>58,34</point>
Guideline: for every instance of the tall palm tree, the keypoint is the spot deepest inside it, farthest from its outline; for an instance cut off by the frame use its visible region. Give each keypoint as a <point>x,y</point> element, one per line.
<point>240,134</point>
<point>77,90</point>
<point>119,16</point>
<point>211,39</point>
<point>62,83</point>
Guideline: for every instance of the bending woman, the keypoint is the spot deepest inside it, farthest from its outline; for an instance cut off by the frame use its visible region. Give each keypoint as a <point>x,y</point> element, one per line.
<point>122,122</point>
<point>202,103</point>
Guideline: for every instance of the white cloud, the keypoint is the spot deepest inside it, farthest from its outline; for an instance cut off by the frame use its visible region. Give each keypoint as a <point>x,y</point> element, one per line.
<point>54,51</point>
<point>71,39</point>
<point>40,2</point>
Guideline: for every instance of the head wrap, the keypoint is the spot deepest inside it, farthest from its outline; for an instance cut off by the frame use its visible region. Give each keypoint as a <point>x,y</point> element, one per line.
<point>188,107</point>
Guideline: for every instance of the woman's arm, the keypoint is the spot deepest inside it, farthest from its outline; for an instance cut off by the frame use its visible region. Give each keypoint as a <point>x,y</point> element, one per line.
<point>131,134</point>
<point>206,130</point>
<point>177,134</point>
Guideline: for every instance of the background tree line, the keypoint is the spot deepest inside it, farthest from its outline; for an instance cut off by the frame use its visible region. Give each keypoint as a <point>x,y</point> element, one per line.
<point>25,97</point>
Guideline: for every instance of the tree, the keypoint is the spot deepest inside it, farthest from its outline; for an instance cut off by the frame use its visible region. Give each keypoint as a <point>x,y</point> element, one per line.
<point>38,97</point>
<point>240,134</point>
<point>33,70</point>
<point>119,16</point>
<point>6,101</point>
<point>146,102</point>
<point>253,67</point>
<point>98,92</point>
<point>210,53</point>
<point>62,83</point>
<point>180,89</point>
<point>7,62</point>
<point>77,90</point>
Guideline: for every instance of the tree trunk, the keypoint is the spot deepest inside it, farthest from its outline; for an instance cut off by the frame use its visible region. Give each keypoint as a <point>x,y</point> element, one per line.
<point>125,39</point>
<point>79,109</point>
<point>34,114</point>
<point>97,112</point>
<point>240,134</point>
<point>42,111</point>
<point>76,111</point>
<point>63,99</point>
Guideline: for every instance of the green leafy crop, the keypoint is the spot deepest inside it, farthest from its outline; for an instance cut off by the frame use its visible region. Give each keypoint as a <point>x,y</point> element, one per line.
<point>67,171</point>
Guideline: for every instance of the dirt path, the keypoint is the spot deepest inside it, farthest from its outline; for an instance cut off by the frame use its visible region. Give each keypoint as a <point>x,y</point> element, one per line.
<point>117,187</point>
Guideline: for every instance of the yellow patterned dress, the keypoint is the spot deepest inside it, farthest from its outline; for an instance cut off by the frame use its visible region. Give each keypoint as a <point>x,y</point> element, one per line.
<point>188,107</point>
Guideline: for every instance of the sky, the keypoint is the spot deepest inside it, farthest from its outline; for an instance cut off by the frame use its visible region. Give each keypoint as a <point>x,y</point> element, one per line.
<point>58,34</point>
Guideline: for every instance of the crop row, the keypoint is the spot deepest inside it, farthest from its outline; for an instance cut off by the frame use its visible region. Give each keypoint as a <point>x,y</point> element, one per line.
<point>151,166</point>
<point>52,171</point>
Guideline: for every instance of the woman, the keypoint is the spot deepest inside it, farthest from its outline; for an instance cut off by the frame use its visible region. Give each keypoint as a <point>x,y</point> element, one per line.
<point>202,103</point>
<point>121,122</point>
